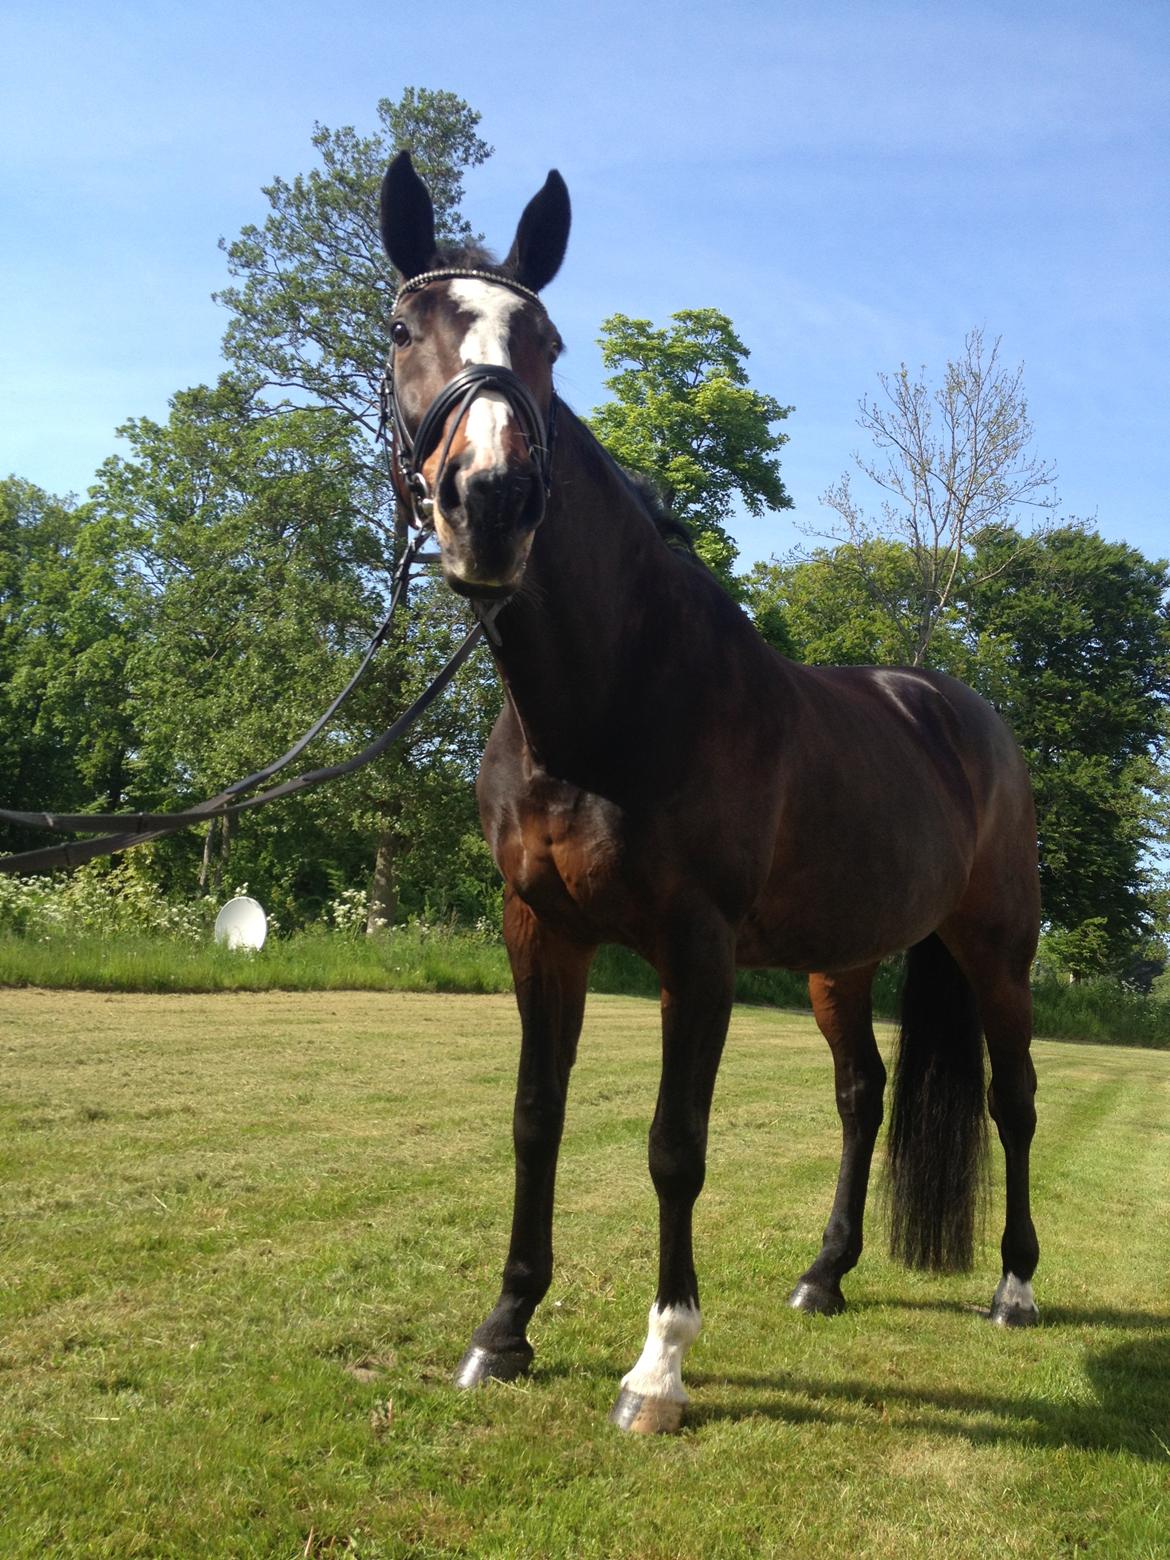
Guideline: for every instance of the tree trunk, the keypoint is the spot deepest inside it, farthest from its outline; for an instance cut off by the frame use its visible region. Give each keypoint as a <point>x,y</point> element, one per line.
<point>211,870</point>
<point>205,865</point>
<point>383,890</point>
<point>225,850</point>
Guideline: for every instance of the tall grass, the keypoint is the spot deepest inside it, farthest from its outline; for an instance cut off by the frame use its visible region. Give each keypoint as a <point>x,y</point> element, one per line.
<point>1103,1011</point>
<point>409,959</point>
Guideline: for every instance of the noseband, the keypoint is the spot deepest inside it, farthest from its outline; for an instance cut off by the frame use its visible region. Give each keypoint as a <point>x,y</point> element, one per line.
<point>412,450</point>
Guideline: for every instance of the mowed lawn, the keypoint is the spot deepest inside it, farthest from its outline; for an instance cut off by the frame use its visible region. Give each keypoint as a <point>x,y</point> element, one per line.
<point>245,1239</point>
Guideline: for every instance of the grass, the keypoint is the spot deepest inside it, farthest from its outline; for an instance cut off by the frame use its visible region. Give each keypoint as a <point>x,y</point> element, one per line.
<point>408,960</point>
<point>245,1240</point>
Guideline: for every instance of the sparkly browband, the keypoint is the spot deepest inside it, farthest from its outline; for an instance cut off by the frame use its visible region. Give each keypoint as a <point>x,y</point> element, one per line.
<point>459,272</point>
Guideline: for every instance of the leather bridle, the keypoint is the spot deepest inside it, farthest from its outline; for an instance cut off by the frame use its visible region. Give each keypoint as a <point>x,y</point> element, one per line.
<point>411,450</point>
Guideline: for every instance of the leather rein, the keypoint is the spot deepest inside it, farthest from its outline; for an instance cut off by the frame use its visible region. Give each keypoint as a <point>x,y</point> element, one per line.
<point>405,463</point>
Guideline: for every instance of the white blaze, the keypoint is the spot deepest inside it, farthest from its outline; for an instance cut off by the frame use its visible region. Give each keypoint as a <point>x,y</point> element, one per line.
<point>670,1333</point>
<point>486,341</point>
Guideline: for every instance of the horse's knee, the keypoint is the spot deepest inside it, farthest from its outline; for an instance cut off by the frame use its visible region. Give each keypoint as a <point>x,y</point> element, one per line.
<point>1011,1094</point>
<point>537,1123</point>
<point>677,1160</point>
<point>1013,1109</point>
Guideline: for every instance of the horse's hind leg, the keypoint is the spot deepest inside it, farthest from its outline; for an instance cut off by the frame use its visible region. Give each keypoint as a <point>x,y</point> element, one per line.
<point>843,1011</point>
<point>1004,996</point>
<point>1006,1008</point>
<point>550,975</point>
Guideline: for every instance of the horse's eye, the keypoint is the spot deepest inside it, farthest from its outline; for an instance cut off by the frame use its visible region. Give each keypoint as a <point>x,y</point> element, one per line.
<point>555,351</point>
<point>399,334</point>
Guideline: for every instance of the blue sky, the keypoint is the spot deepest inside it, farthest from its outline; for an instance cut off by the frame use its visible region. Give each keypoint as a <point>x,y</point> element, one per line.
<point>855,185</point>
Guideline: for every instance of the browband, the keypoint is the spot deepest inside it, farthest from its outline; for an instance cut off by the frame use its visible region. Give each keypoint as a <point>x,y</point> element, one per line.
<point>456,273</point>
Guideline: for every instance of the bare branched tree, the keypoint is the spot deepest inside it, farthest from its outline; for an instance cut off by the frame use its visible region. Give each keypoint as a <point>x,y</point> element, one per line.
<point>955,465</point>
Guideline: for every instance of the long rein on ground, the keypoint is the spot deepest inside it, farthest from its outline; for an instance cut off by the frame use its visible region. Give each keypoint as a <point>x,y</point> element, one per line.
<point>405,454</point>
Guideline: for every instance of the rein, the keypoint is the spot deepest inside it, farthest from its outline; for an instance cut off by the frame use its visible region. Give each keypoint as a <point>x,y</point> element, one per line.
<point>141,828</point>
<point>406,461</point>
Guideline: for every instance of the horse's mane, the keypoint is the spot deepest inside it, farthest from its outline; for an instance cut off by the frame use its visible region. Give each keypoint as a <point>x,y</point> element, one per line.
<point>672,531</point>
<point>468,255</point>
<point>650,498</point>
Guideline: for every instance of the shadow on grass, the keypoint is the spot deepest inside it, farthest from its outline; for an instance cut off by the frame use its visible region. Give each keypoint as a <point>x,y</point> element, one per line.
<point>1050,1315</point>
<point>1130,1383</point>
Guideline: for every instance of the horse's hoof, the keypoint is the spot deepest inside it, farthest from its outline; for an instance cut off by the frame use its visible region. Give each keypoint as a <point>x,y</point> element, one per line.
<point>646,1415</point>
<point>1013,1305</point>
<point>479,1365</point>
<point>816,1300</point>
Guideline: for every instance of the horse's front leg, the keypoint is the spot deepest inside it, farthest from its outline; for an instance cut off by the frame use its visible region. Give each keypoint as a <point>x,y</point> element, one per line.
<point>550,975</point>
<point>698,977</point>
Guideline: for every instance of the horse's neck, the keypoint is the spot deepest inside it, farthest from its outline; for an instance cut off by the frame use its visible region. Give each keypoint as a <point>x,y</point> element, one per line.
<point>569,642</point>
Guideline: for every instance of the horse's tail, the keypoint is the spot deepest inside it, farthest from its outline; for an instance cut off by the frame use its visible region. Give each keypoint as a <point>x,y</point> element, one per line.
<point>938,1131</point>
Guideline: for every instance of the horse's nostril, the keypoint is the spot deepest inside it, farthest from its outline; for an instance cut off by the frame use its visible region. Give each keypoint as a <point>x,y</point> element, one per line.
<point>500,500</point>
<point>449,496</point>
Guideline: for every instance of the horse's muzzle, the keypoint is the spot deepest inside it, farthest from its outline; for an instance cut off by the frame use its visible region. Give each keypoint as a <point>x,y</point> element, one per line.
<point>485,522</point>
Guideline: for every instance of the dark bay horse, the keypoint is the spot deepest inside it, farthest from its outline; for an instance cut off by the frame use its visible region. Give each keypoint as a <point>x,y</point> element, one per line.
<point>661,778</point>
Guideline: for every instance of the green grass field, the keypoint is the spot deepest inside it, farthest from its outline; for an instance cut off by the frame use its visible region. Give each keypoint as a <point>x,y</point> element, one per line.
<point>245,1239</point>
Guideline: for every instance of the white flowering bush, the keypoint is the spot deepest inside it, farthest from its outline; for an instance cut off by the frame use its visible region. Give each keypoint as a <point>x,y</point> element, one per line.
<point>349,912</point>
<point>96,900</point>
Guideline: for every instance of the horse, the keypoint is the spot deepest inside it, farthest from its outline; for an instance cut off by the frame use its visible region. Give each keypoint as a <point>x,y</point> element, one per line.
<point>661,778</point>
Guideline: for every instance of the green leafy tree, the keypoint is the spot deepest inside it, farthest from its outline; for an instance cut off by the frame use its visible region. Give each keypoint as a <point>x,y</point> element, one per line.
<point>68,618</point>
<point>308,324</point>
<point>314,289</point>
<point>1072,634</point>
<point>685,415</point>
<point>262,595</point>
<point>848,606</point>
<point>254,535</point>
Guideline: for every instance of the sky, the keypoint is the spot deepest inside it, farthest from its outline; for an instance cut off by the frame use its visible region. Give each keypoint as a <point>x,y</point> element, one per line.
<point>855,185</point>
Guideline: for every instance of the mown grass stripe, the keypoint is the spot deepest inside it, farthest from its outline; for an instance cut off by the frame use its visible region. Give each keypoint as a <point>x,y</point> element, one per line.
<point>173,1367</point>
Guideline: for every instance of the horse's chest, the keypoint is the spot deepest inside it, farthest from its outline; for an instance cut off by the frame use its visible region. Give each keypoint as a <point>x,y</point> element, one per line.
<point>561,850</point>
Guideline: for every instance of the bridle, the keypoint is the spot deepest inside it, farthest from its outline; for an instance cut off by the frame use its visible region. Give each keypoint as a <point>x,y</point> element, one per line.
<point>408,451</point>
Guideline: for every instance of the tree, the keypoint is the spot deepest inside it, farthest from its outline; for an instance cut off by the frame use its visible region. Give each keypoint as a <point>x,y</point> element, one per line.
<point>309,324</point>
<point>68,618</point>
<point>848,606</point>
<point>1072,635</point>
<point>685,415</point>
<point>955,466</point>
<point>262,593</point>
<point>309,318</point>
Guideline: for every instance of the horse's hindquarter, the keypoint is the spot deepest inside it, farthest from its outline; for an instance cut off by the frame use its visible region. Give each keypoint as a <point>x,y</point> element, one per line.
<point>896,785</point>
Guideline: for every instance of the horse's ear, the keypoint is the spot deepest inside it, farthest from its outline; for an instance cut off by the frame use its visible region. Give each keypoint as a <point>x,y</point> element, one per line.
<point>407,218</point>
<point>539,245</point>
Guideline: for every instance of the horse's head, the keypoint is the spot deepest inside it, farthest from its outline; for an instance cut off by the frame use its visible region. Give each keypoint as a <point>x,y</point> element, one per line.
<point>471,365</point>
